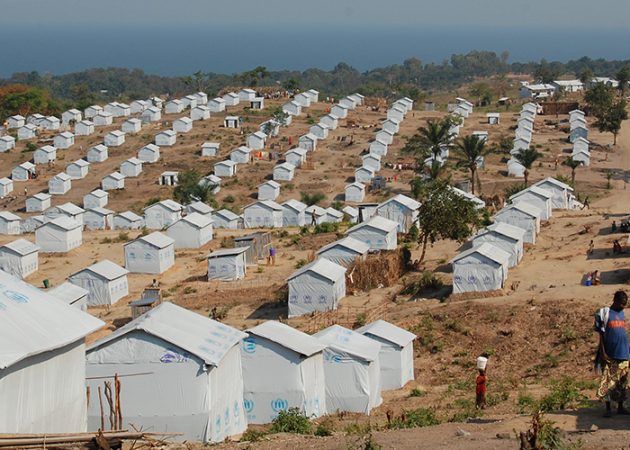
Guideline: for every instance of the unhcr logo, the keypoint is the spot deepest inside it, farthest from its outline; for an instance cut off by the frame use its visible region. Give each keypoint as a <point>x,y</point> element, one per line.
<point>249,345</point>
<point>16,296</point>
<point>248,405</point>
<point>279,404</point>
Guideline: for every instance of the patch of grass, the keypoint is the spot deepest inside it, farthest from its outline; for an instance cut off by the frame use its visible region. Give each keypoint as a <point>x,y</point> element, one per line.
<point>325,428</point>
<point>563,393</point>
<point>360,320</point>
<point>152,201</point>
<point>300,263</point>
<point>415,392</point>
<point>189,290</point>
<point>229,199</point>
<point>292,421</point>
<point>525,402</point>
<point>252,435</point>
<point>415,418</point>
<point>106,240</point>
<point>427,281</point>
<point>326,227</point>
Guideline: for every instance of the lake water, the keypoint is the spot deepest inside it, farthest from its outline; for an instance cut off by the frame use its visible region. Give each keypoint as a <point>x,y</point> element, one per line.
<point>167,51</point>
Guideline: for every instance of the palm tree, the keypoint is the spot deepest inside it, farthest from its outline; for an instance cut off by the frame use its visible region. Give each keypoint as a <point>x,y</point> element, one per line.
<point>527,158</point>
<point>434,170</point>
<point>572,164</point>
<point>470,149</point>
<point>429,139</point>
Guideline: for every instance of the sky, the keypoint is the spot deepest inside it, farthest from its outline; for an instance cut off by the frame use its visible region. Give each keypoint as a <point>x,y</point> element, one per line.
<point>178,37</point>
<point>321,13</point>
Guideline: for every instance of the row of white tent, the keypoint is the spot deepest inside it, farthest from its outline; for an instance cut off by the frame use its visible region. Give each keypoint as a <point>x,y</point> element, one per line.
<point>522,139</point>
<point>578,136</point>
<point>497,248</point>
<point>182,372</point>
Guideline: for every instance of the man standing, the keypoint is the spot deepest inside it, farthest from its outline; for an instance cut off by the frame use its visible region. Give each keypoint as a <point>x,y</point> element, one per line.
<point>613,353</point>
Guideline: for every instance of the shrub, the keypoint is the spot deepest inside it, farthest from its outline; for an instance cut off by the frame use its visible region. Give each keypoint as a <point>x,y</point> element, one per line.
<point>564,393</point>
<point>106,240</point>
<point>123,237</point>
<point>189,290</point>
<point>252,435</point>
<point>324,428</point>
<point>427,281</point>
<point>300,263</point>
<point>513,189</point>
<point>415,392</point>
<point>152,201</point>
<point>311,199</point>
<point>326,227</point>
<point>30,147</point>
<point>360,320</point>
<point>229,199</point>
<point>415,418</point>
<point>291,421</point>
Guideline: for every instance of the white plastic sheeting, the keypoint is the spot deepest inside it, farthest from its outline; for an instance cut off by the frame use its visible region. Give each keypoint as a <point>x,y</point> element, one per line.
<point>480,269</point>
<point>318,286</point>
<point>522,215</point>
<point>396,355</point>
<point>401,209</point>
<point>282,369</point>
<point>538,197</point>
<point>105,281</point>
<point>71,294</point>
<point>561,192</point>
<point>352,369</point>
<point>344,251</point>
<point>42,361</point>
<point>191,378</point>
<point>19,258</point>
<point>263,213</point>
<point>154,253</point>
<point>192,231</point>
<point>504,236</point>
<point>59,235</point>
<point>378,232</point>
<point>227,264</point>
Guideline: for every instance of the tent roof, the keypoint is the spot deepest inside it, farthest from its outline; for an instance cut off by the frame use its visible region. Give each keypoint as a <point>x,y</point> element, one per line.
<point>388,331</point>
<point>21,247</point>
<point>553,181</point>
<point>68,292</point>
<point>80,162</point>
<point>205,338</point>
<point>8,216</point>
<point>348,242</point>
<point>322,267</point>
<point>34,322</point>
<point>318,210</point>
<point>288,337</point>
<point>533,189</point>
<point>41,196</point>
<point>168,204</point>
<point>403,200</point>
<point>98,193</point>
<point>334,212</point>
<point>376,222</point>
<point>489,251</point>
<point>198,220</point>
<point>201,207</point>
<point>64,222</point>
<point>105,269</point>
<point>525,207</point>
<point>273,184</point>
<point>227,214</point>
<point>506,229</point>
<point>70,208</point>
<point>347,341</point>
<point>228,252</point>
<point>351,211</point>
<point>101,211</point>
<point>295,205</point>
<point>269,204</point>
<point>129,215</point>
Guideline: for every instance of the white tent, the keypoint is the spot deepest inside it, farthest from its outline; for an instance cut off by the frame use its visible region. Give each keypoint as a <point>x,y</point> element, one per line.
<point>60,235</point>
<point>153,253</point>
<point>401,209</point>
<point>227,264</point>
<point>162,214</point>
<point>269,190</point>
<point>19,258</point>
<point>504,236</point>
<point>99,219</point>
<point>191,231</point>
<point>536,196</point>
<point>210,148</point>
<point>59,184</point>
<point>344,252</point>
<point>98,153</point>
<point>263,213</point>
<point>282,368</point>
<point>190,378</point>
<point>6,186</point>
<point>317,286</point>
<point>225,218</point>
<point>352,369</point>
<point>296,156</point>
<point>396,355</point>
<point>42,361</point>
<point>199,207</point>
<point>98,198</point>
<point>293,213</point>
<point>355,192</point>
<point>522,215</point>
<point>314,215</point>
<point>67,209</point>
<point>71,294</point>
<point>9,223</point>
<point>479,204</point>
<point>78,169</point>
<point>352,213</point>
<point>105,281</point>
<point>561,193</point>
<point>284,172</point>
<point>150,153</point>
<point>128,220</point>
<point>113,181</point>
<point>480,269</point>
<point>377,232</point>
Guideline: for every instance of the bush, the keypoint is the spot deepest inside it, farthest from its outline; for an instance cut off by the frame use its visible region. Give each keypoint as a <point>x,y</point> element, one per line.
<point>291,421</point>
<point>300,263</point>
<point>427,281</point>
<point>415,392</point>
<point>30,147</point>
<point>229,199</point>
<point>324,428</point>
<point>415,418</point>
<point>311,199</point>
<point>123,237</point>
<point>252,435</point>
<point>513,189</point>
<point>564,393</point>
<point>326,227</point>
<point>152,201</point>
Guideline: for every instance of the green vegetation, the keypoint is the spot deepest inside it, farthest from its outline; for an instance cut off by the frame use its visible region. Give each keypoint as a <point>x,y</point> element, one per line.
<point>427,281</point>
<point>326,227</point>
<point>573,165</point>
<point>415,418</point>
<point>311,199</point>
<point>470,149</point>
<point>608,109</point>
<point>189,188</point>
<point>527,158</point>
<point>292,421</point>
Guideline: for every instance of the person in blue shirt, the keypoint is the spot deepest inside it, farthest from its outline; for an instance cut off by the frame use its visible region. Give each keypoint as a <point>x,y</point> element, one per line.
<point>613,353</point>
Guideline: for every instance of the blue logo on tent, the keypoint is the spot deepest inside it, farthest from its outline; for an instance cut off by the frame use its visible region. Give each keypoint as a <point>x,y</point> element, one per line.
<point>2,306</point>
<point>279,404</point>
<point>227,416</point>
<point>249,345</point>
<point>248,405</point>
<point>237,411</point>
<point>308,299</point>
<point>322,299</point>
<point>458,278</point>
<point>217,423</point>
<point>16,296</point>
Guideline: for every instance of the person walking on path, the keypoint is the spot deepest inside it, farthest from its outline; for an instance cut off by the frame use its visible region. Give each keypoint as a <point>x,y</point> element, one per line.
<point>613,354</point>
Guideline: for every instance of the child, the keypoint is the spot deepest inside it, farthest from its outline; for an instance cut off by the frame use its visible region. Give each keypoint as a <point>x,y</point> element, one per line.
<point>482,379</point>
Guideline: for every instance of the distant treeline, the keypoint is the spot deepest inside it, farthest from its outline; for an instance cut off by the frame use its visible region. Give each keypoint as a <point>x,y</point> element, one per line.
<point>411,78</point>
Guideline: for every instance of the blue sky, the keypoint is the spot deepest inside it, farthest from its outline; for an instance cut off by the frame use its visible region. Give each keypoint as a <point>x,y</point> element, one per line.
<point>590,14</point>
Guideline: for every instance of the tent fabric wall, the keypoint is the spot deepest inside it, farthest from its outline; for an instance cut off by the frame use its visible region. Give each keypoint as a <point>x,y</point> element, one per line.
<point>257,216</point>
<point>187,235</point>
<point>19,266</point>
<point>477,273</point>
<point>398,213</point>
<point>45,393</point>
<point>396,363</point>
<point>511,246</point>
<point>101,291</point>
<point>227,267</point>
<point>310,292</point>
<point>141,257</point>
<point>376,239</point>
<point>55,240</point>
<point>521,220</point>
<point>276,379</point>
<point>341,255</point>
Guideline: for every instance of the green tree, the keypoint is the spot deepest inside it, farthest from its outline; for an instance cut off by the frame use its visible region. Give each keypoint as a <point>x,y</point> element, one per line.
<point>586,75</point>
<point>573,165</point>
<point>198,81</point>
<point>190,188</point>
<point>255,76</point>
<point>434,171</point>
<point>599,98</point>
<point>292,84</point>
<point>482,92</point>
<point>429,139</point>
<point>623,77</point>
<point>527,158</point>
<point>611,120</point>
<point>443,214</point>
<point>468,150</point>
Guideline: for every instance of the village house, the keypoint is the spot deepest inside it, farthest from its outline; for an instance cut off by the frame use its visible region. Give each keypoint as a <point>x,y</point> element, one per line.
<point>210,149</point>
<point>151,114</point>
<point>480,269</point>
<point>314,215</point>
<point>102,119</point>
<point>364,175</point>
<point>331,121</point>
<point>45,154</point>
<point>378,147</point>
<point>114,138</point>
<point>68,209</point>
<point>9,223</point>
<point>28,131</point>
<point>92,111</point>
<point>169,178</point>
<point>6,143</point>
<point>64,140</point>
<point>339,111</point>
<point>128,220</point>
<point>84,128</point>
<point>292,108</point>
<point>227,264</point>
<point>522,215</point>
<point>257,103</point>
<point>174,107</point>
<point>23,172</point>
<point>16,121</point>
<point>504,236</point>
<point>246,94</point>
<point>262,213</point>
<point>308,142</point>
<point>72,116</point>
<point>296,156</point>
<point>216,105</point>
<point>344,252</point>
<point>372,161</point>
<point>241,155</point>
<point>283,172</point>
<point>225,168</point>
<point>562,194</point>
<point>199,208</point>
<point>385,136</point>
<point>317,286</point>
<point>131,167</point>
<point>138,106</point>
<point>355,192</point>
<point>231,99</point>
<point>401,209</point>
<point>131,126</point>
<point>391,125</point>
<point>200,112</point>
<point>190,101</point>
<point>162,214</point>
<point>211,180</point>
<point>181,125</point>
<point>378,232</point>
<point>537,197</point>
<point>256,140</point>
<point>6,186</point>
<point>50,123</point>
<point>269,190</point>
<point>225,218</point>
<point>150,153</point>
<point>303,99</point>
<point>71,294</point>
<point>231,122</point>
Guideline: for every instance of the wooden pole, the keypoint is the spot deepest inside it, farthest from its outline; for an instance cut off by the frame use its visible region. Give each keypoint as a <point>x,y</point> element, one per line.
<point>118,407</point>
<point>110,401</point>
<point>100,401</point>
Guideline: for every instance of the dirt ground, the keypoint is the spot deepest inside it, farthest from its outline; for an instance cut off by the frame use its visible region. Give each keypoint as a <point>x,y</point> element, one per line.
<point>538,329</point>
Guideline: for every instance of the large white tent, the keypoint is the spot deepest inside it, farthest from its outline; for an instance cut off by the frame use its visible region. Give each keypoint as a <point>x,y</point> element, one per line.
<point>352,369</point>
<point>282,368</point>
<point>396,355</point>
<point>561,193</point>
<point>189,377</point>
<point>59,235</point>
<point>71,294</point>
<point>227,264</point>
<point>317,286</point>
<point>19,258</point>
<point>344,251</point>
<point>105,281</point>
<point>162,214</point>
<point>480,269</point>
<point>505,236</point>
<point>191,231</point>
<point>522,215</point>
<point>42,361</point>
<point>378,232</point>
<point>539,197</point>
<point>401,209</point>
<point>153,253</point>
